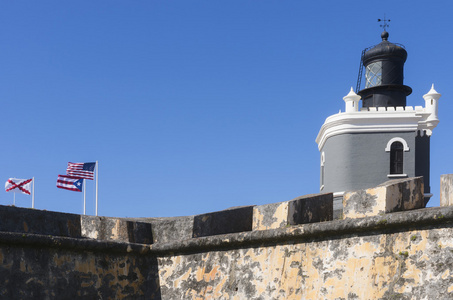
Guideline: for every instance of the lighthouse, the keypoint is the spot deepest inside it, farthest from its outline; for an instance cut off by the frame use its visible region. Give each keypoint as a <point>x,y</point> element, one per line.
<point>378,137</point>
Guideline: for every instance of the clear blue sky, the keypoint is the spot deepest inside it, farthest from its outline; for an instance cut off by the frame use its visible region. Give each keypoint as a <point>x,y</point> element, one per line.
<point>196,106</point>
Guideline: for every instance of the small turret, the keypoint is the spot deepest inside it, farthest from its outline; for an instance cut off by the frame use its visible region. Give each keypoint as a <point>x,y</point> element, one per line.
<point>384,64</point>
<point>431,106</point>
<point>351,101</point>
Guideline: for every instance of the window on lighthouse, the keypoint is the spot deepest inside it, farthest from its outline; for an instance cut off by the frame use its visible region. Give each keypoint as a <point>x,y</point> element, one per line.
<point>396,158</point>
<point>373,74</point>
<point>323,160</point>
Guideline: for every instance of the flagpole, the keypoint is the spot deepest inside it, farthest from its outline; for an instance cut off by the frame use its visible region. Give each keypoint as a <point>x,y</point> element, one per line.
<point>84,197</point>
<point>97,174</point>
<point>14,198</point>
<point>33,194</point>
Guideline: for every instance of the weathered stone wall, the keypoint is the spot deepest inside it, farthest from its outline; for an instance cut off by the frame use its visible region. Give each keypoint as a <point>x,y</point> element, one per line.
<point>397,256</point>
<point>286,250</point>
<point>45,267</point>
<point>49,255</point>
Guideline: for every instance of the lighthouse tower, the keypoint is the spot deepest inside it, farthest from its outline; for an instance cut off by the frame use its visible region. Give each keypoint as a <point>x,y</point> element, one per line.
<point>384,139</point>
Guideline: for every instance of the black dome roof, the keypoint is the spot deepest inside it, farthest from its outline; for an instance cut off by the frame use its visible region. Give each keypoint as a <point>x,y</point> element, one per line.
<point>383,50</point>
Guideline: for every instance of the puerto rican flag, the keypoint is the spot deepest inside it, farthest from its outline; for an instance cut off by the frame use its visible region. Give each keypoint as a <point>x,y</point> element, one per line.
<point>18,185</point>
<point>70,183</point>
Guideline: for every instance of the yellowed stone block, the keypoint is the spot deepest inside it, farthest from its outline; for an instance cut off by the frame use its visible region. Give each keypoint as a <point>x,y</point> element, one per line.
<point>270,216</point>
<point>391,196</point>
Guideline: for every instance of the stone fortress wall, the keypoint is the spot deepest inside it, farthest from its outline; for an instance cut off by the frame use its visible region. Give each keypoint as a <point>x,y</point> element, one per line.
<point>384,246</point>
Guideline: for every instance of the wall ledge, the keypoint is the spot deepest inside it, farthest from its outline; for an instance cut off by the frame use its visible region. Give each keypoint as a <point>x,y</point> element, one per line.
<point>392,222</point>
<point>75,244</point>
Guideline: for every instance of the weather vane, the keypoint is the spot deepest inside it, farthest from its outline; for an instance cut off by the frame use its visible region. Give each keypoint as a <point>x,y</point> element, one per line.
<point>385,22</point>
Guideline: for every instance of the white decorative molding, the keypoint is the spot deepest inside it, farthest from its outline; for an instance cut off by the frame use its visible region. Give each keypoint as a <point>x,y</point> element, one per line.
<point>397,139</point>
<point>338,194</point>
<point>397,175</point>
<point>381,119</point>
<point>367,121</point>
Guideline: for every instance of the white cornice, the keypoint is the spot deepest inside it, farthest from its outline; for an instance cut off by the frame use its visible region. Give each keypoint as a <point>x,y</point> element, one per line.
<point>381,119</point>
<point>401,119</point>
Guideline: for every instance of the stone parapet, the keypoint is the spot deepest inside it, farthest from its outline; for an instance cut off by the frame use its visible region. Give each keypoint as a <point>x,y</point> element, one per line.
<point>446,190</point>
<point>270,216</point>
<point>301,210</point>
<point>41,222</point>
<point>171,229</point>
<point>391,196</point>
<point>310,209</point>
<point>424,218</point>
<point>236,219</point>
<point>17,219</point>
<point>116,229</point>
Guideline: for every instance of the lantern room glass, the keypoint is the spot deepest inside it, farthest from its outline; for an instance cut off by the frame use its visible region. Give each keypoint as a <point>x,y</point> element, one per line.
<point>373,74</point>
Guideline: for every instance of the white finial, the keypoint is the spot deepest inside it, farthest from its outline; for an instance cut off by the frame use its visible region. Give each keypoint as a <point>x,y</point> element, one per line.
<point>432,94</point>
<point>351,93</point>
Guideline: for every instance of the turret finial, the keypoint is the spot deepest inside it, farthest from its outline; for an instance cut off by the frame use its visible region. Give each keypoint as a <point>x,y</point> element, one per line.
<point>432,94</point>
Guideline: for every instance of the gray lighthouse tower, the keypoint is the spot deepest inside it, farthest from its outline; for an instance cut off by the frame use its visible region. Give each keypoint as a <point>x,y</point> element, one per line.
<point>384,139</point>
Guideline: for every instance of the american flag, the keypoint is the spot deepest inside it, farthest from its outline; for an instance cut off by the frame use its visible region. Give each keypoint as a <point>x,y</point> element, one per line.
<point>81,170</point>
<point>70,183</point>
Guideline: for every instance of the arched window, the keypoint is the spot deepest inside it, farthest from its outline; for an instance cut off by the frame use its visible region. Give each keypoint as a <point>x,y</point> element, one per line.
<point>396,147</point>
<point>396,158</point>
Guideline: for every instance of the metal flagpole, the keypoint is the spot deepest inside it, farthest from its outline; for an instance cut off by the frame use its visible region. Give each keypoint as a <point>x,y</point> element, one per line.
<point>33,194</point>
<point>14,198</point>
<point>84,197</point>
<point>97,174</point>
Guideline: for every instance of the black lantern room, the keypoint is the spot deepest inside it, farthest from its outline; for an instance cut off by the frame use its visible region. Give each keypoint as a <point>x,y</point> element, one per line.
<point>384,65</point>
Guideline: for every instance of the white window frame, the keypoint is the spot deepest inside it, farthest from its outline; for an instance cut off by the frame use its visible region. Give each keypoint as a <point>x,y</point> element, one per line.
<point>397,139</point>
<point>405,149</point>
